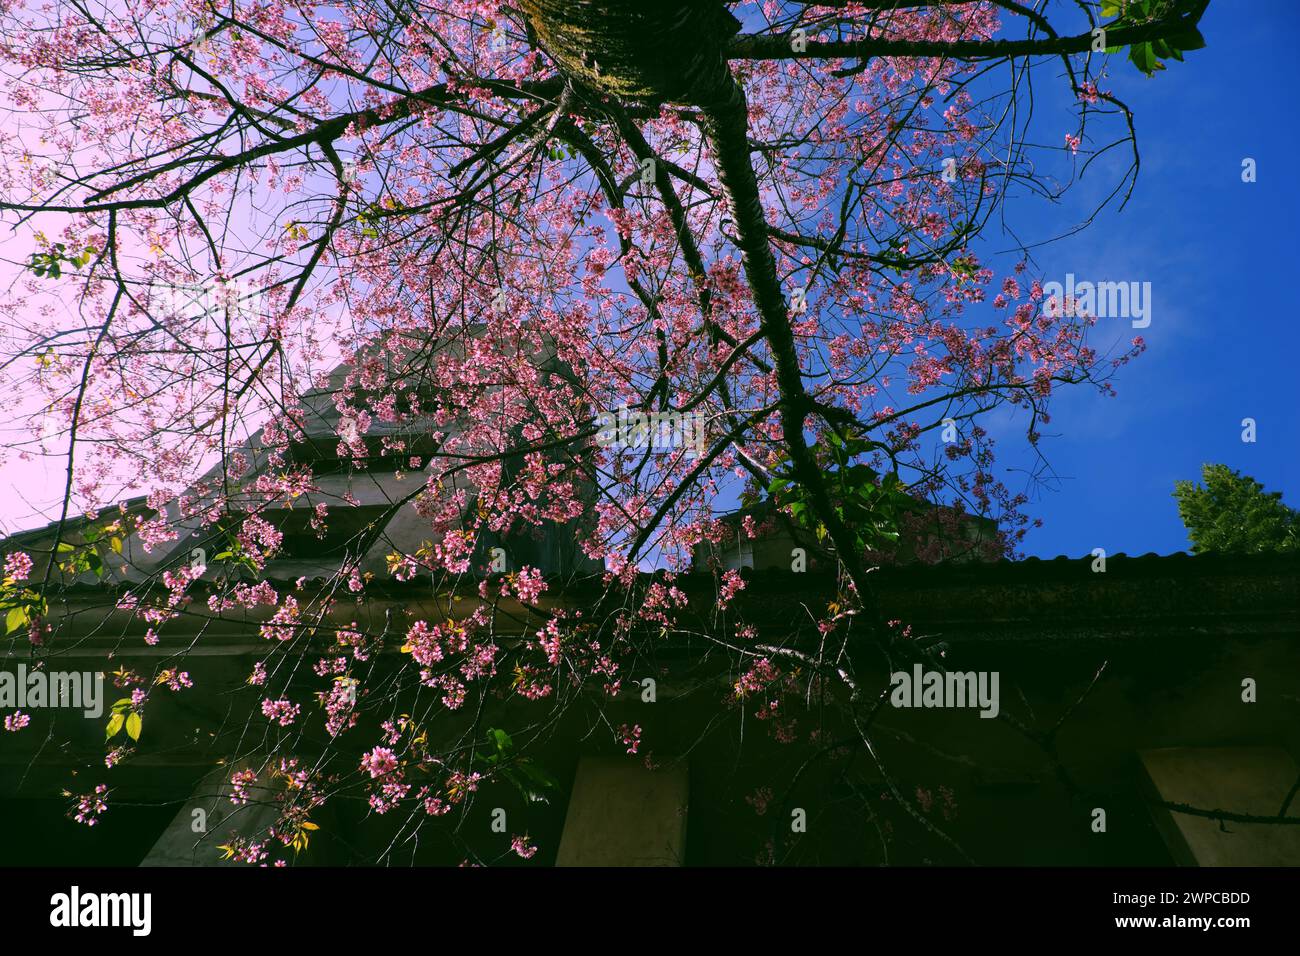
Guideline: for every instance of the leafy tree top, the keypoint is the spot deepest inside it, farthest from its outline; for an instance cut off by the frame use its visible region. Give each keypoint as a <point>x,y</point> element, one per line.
<point>1233,513</point>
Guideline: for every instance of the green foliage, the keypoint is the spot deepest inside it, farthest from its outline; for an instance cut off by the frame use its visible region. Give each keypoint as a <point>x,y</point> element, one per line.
<point>870,505</point>
<point>20,606</point>
<point>49,265</point>
<point>88,557</point>
<point>77,560</point>
<point>523,773</point>
<point>1233,513</point>
<point>1148,56</point>
<point>369,219</point>
<point>123,716</point>
<point>234,554</point>
<point>371,214</point>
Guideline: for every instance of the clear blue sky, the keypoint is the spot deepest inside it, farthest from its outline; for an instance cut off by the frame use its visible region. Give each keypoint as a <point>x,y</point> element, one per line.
<point>1222,259</point>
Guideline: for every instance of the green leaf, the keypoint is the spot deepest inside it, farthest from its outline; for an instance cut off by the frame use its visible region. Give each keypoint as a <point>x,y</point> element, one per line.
<point>16,618</point>
<point>1190,40</point>
<point>114,726</point>
<point>133,722</point>
<point>1144,58</point>
<point>538,775</point>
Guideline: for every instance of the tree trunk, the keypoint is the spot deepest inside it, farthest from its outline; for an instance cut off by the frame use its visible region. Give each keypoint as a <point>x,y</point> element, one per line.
<point>659,50</point>
<point>674,51</point>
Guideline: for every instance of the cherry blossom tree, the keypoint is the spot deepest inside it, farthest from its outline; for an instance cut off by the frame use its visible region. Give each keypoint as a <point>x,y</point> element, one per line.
<point>499,221</point>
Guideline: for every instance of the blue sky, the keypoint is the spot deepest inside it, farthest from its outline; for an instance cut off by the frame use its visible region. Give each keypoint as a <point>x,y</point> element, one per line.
<point>1221,257</point>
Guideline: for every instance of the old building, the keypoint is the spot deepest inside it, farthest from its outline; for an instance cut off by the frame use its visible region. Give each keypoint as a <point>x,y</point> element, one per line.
<point>1168,720</point>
